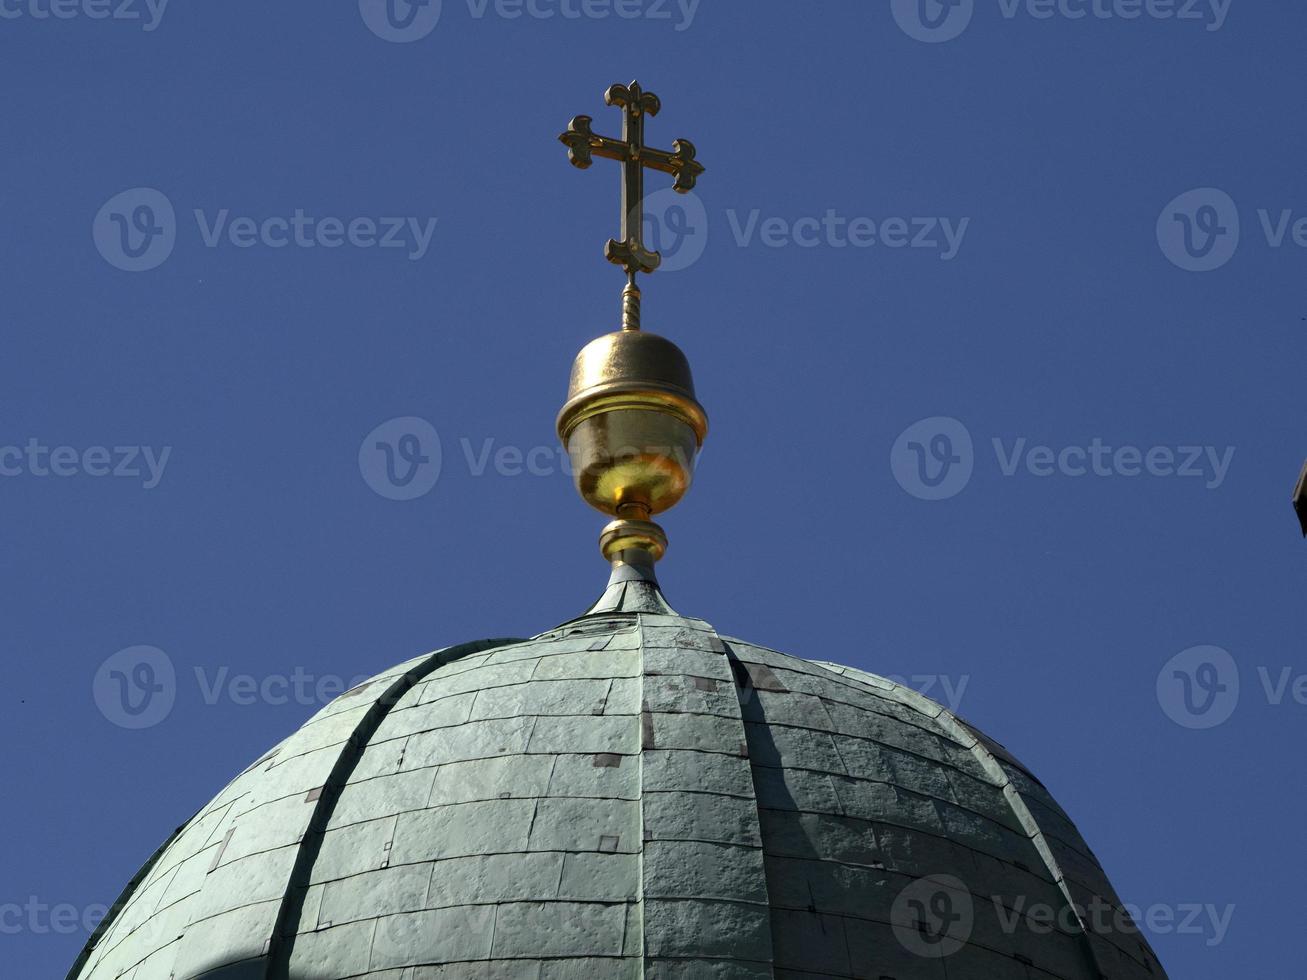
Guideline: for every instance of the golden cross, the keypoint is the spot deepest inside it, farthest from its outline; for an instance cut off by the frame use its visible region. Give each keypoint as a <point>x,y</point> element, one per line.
<point>583,144</point>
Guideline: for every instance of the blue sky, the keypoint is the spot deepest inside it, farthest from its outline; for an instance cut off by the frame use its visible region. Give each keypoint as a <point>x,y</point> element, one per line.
<point>996,312</point>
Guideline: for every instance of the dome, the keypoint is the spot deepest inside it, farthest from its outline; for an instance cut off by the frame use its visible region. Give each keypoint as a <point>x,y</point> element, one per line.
<point>628,795</point>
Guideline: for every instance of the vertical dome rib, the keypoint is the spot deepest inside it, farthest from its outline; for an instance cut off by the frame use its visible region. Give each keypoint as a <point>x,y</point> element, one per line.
<point>287,927</point>
<point>706,909</point>
<point>492,825</point>
<point>1104,954</point>
<point>168,912</point>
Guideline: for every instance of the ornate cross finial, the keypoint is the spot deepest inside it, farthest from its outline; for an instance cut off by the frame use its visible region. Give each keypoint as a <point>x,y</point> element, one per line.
<point>583,144</point>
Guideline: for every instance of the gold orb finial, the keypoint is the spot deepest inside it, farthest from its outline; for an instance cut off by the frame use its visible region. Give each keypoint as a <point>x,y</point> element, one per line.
<point>632,427</point>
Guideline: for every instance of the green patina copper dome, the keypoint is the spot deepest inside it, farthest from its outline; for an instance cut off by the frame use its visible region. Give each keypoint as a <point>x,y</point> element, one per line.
<point>629,795</point>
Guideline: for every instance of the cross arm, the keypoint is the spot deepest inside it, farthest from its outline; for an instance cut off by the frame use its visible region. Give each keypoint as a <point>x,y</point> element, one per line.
<point>680,163</point>
<point>583,143</point>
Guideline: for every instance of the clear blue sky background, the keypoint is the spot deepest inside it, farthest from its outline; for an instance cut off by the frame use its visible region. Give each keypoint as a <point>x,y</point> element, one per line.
<point>1062,319</point>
